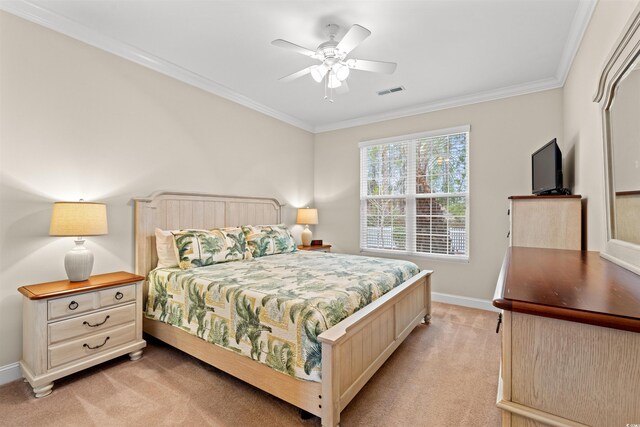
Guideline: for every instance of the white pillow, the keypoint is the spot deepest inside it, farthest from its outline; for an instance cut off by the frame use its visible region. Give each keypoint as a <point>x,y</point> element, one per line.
<point>166,249</point>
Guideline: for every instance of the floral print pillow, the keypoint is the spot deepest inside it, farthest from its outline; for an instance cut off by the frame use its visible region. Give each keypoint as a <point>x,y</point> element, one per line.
<point>198,248</point>
<point>268,239</point>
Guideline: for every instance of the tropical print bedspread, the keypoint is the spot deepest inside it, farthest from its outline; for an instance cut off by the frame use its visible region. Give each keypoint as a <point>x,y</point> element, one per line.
<point>272,308</point>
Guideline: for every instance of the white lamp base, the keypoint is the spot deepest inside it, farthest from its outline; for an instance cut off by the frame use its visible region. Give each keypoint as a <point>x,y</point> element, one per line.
<point>306,236</point>
<point>78,262</point>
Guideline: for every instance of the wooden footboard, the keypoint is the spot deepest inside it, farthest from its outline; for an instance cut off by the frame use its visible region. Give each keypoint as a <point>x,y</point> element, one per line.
<point>354,349</point>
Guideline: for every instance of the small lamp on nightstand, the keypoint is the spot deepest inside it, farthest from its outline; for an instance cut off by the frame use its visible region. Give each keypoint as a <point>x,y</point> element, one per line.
<point>78,219</point>
<point>307,216</point>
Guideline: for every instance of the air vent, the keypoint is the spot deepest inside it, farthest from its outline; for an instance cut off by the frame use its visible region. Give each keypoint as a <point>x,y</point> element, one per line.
<point>392,90</point>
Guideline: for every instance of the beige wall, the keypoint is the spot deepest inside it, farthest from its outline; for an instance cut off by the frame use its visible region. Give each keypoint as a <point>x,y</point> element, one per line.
<point>79,122</point>
<point>582,141</point>
<point>503,135</point>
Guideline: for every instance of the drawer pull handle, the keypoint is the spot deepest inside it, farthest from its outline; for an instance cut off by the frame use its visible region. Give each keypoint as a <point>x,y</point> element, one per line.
<point>73,305</point>
<point>97,324</point>
<point>98,346</point>
<point>119,295</point>
<point>499,323</point>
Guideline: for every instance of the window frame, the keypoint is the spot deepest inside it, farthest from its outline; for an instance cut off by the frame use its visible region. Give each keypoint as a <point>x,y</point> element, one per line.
<point>410,195</point>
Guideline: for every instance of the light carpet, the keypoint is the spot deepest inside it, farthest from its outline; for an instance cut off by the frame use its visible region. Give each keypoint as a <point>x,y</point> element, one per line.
<point>444,374</point>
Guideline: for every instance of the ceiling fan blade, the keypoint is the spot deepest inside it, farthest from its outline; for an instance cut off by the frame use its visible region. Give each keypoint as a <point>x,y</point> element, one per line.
<point>295,75</point>
<point>343,88</point>
<point>373,66</point>
<point>353,38</point>
<point>288,45</point>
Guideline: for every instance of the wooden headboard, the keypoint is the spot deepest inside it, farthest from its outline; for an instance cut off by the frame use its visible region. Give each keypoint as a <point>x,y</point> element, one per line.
<point>174,211</point>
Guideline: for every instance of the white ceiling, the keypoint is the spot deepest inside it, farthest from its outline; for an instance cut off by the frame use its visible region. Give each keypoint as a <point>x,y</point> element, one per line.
<point>448,52</point>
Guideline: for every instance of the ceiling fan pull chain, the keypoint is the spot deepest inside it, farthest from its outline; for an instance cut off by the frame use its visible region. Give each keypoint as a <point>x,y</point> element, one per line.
<point>326,84</point>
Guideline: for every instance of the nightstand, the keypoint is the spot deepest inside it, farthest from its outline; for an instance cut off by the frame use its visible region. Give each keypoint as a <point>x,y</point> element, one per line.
<point>319,248</point>
<point>69,326</point>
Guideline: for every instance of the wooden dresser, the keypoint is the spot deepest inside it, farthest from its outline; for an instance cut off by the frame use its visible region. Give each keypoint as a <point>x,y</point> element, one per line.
<point>546,221</point>
<point>570,340</point>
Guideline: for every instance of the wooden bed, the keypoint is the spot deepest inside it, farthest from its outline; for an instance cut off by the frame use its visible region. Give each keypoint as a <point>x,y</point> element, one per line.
<point>352,351</point>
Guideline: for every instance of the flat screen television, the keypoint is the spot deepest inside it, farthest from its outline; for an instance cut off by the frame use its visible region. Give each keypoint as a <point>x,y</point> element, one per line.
<point>546,170</point>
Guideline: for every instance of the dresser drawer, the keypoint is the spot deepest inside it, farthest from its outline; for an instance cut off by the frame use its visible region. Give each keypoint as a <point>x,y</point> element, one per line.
<point>117,295</point>
<point>90,345</point>
<point>91,323</point>
<point>68,306</point>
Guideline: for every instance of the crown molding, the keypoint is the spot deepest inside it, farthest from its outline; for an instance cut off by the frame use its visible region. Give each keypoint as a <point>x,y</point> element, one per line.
<point>492,95</point>
<point>63,25</point>
<point>579,26</point>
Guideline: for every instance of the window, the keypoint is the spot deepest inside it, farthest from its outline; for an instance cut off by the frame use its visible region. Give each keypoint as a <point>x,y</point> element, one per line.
<point>414,194</point>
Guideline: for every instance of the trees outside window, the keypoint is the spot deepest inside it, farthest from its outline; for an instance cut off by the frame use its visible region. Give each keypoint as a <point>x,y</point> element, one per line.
<point>414,194</point>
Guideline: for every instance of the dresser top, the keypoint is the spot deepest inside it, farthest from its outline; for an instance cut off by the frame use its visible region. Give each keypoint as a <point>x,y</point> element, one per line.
<point>65,287</point>
<point>571,285</point>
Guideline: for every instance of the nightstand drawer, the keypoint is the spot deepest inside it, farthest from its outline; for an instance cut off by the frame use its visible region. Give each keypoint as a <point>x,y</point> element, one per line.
<point>68,306</point>
<point>91,323</point>
<point>90,345</point>
<point>117,295</point>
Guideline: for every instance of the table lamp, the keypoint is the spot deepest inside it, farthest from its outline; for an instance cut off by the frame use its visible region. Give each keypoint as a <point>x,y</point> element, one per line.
<point>78,219</point>
<point>307,216</point>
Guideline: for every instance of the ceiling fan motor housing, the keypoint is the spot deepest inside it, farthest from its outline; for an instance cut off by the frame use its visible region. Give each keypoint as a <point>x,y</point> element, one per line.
<point>327,50</point>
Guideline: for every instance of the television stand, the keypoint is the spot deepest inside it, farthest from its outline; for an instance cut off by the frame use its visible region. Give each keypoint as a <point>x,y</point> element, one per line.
<point>556,192</point>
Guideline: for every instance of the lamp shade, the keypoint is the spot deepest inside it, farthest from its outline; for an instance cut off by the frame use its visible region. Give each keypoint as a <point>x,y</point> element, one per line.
<point>307,216</point>
<point>78,219</point>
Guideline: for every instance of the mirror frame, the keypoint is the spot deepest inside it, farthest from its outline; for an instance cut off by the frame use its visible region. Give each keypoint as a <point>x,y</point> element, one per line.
<point>619,64</point>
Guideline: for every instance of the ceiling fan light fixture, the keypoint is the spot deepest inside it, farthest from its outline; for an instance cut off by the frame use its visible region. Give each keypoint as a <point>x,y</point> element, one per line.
<point>341,71</point>
<point>333,81</point>
<point>318,72</point>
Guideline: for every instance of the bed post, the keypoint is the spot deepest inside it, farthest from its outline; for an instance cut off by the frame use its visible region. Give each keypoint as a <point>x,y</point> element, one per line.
<point>144,244</point>
<point>330,401</point>
<point>427,302</point>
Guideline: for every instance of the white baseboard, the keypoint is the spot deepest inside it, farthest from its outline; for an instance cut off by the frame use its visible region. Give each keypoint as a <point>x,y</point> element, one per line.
<point>10,372</point>
<point>463,301</point>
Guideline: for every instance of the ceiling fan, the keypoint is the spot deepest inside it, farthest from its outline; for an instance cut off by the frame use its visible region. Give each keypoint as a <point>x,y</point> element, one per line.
<point>335,67</point>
